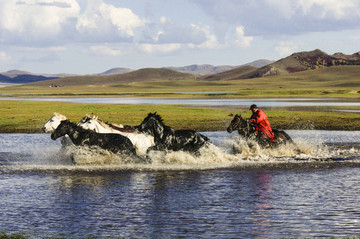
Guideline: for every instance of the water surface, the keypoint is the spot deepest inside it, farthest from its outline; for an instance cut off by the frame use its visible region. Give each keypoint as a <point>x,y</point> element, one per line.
<point>244,193</point>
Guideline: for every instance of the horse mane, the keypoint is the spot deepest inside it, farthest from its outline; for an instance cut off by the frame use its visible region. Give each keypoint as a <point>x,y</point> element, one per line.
<point>58,115</point>
<point>102,123</point>
<point>156,116</point>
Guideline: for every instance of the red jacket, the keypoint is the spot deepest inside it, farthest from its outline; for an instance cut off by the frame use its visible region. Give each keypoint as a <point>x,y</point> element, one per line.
<point>262,124</point>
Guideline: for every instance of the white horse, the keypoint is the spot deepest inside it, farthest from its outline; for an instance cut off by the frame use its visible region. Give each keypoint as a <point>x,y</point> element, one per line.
<point>53,123</point>
<point>140,140</point>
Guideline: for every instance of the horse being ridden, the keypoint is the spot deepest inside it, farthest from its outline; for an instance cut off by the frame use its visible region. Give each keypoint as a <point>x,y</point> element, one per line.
<point>115,143</point>
<point>167,138</point>
<point>140,140</point>
<point>248,130</point>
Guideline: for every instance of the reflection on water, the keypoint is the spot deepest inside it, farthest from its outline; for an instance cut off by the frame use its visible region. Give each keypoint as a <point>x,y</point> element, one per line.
<point>242,196</point>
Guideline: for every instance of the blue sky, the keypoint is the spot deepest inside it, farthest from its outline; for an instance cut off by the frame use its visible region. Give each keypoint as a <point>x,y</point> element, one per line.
<point>92,36</point>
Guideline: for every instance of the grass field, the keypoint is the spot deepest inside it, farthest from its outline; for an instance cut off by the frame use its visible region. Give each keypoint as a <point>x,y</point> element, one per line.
<point>29,117</point>
<point>340,81</point>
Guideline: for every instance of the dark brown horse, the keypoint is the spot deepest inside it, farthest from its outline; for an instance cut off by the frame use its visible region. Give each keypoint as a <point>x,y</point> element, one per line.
<point>248,131</point>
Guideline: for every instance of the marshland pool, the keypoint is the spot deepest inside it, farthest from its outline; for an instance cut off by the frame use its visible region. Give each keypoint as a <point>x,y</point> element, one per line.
<point>234,189</point>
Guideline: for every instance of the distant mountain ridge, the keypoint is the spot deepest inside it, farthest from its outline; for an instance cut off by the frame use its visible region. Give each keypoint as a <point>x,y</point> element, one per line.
<point>145,74</point>
<point>301,61</point>
<point>207,69</point>
<point>23,77</point>
<point>296,62</point>
<point>116,71</point>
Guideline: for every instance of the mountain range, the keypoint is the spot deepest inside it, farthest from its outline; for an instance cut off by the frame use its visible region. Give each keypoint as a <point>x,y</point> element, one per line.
<point>24,77</point>
<point>301,61</point>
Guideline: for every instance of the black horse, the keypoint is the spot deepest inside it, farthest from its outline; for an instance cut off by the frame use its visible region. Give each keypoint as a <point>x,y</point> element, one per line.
<point>115,143</point>
<point>247,130</point>
<point>167,138</point>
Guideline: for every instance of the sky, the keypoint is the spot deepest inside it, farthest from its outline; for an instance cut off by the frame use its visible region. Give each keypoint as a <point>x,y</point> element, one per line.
<point>93,36</point>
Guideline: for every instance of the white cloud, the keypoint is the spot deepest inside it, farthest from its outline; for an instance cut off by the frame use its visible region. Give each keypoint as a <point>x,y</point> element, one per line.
<point>240,39</point>
<point>330,8</point>
<point>174,33</point>
<point>211,41</point>
<point>101,18</point>
<point>159,48</point>
<point>285,48</point>
<point>105,51</point>
<point>34,20</point>
<point>283,17</point>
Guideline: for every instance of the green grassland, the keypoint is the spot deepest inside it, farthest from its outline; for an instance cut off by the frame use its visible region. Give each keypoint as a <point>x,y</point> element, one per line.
<point>339,81</point>
<point>29,117</point>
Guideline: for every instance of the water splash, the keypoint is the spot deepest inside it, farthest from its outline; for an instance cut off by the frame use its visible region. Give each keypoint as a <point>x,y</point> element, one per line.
<point>227,151</point>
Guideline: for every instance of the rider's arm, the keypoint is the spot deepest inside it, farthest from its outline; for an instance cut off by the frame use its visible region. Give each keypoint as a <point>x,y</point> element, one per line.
<point>259,117</point>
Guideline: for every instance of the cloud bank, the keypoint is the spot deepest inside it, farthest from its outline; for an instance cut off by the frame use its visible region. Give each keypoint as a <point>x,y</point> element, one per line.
<point>114,28</point>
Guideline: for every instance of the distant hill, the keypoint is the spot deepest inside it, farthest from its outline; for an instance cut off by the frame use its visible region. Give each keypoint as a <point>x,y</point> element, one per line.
<point>259,63</point>
<point>297,62</point>
<point>24,77</point>
<point>207,69</point>
<point>202,69</point>
<point>231,74</point>
<point>301,61</point>
<point>147,74</point>
<point>116,71</point>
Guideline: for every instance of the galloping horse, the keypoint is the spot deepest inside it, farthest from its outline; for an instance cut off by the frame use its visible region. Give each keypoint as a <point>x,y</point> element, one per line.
<point>246,130</point>
<point>140,140</point>
<point>115,143</point>
<point>167,138</point>
<point>52,124</point>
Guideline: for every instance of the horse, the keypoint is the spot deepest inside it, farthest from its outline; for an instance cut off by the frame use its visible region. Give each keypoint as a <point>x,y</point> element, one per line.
<point>167,138</point>
<point>115,143</point>
<point>247,130</point>
<point>140,140</point>
<point>52,124</point>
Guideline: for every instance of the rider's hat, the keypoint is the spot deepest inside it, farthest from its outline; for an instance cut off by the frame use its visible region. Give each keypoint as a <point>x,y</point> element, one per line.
<point>253,107</point>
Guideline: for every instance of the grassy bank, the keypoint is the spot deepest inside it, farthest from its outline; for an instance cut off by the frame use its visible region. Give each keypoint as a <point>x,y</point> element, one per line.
<point>29,117</point>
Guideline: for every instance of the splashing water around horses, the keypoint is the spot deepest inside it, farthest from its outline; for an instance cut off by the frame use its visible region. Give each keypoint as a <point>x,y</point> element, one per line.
<point>167,138</point>
<point>140,140</point>
<point>246,130</point>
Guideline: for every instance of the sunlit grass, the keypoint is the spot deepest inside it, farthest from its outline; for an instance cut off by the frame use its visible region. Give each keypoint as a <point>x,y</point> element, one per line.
<point>29,116</point>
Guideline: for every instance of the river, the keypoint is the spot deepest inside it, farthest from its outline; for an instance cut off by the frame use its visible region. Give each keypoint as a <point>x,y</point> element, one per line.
<point>232,190</point>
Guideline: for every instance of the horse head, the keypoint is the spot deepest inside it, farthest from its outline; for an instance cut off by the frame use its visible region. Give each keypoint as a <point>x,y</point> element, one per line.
<point>152,125</point>
<point>237,123</point>
<point>53,122</point>
<point>62,129</point>
<point>88,122</point>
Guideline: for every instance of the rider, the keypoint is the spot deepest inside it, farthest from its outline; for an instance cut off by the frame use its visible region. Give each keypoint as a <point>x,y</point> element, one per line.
<point>263,128</point>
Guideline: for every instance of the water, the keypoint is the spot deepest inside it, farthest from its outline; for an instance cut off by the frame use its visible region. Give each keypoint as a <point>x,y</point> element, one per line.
<point>280,102</point>
<point>233,190</point>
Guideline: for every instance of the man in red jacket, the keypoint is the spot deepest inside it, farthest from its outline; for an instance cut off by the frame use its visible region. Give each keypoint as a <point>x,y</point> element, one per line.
<point>263,128</point>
